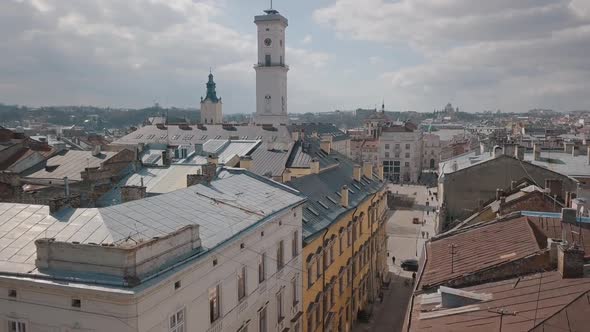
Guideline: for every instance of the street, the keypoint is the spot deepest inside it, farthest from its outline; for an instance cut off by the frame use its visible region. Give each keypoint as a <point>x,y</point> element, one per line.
<point>405,241</point>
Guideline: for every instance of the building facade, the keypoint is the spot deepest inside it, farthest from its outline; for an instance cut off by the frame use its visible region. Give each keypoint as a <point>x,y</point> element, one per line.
<point>401,153</point>
<point>185,270</point>
<point>271,70</point>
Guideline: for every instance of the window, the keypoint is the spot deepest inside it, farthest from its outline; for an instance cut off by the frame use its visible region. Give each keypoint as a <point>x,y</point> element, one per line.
<point>295,244</point>
<point>267,60</point>
<point>341,284</point>
<point>353,232</point>
<point>397,155</point>
<point>242,283</point>
<point>262,326</point>
<point>16,326</point>
<point>326,258</point>
<point>310,275</point>
<point>386,146</point>
<point>318,270</point>
<point>280,256</point>
<point>310,321</point>
<point>12,293</point>
<point>295,290</point>
<point>176,322</point>
<point>348,237</point>
<point>407,146</point>
<point>397,146</point>
<point>407,155</point>
<point>331,252</point>
<point>296,327</point>
<point>407,164</point>
<point>280,313</point>
<point>341,243</point>
<point>262,268</point>
<point>214,305</point>
<point>386,154</point>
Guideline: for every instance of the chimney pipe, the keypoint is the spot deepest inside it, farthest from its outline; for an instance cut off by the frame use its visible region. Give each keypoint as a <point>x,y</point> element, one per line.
<point>537,151</point>
<point>575,151</point>
<point>67,186</point>
<point>568,147</point>
<point>246,162</point>
<point>519,152</point>
<point>344,196</point>
<point>326,144</point>
<point>96,151</point>
<point>314,166</point>
<point>570,261</point>
<point>380,172</point>
<point>499,194</point>
<point>356,173</point>
<point>368,170</point>
<point>213,159</point>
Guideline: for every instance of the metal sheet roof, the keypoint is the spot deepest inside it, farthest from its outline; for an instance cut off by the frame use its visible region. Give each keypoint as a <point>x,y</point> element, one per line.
<point>230,205</point>
<point>70,163</point>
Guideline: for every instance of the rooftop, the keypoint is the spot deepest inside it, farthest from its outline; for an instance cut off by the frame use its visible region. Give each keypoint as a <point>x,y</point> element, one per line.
<point>70,163</point>
<point>557,161</point>
<point>225,208</point>
<point>518,304</point>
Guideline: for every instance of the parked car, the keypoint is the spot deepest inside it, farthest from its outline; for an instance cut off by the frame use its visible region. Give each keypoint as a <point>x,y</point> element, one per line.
<point>410,265</point>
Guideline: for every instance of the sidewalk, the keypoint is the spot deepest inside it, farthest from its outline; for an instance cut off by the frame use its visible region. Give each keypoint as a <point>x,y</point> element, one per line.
<point>389,314</point>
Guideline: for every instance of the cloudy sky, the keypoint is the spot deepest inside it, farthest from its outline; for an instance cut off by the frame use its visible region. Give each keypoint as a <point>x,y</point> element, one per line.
<point>415,54</point>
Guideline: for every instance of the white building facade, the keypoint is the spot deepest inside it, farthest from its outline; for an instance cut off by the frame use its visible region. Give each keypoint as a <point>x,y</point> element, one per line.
<point>400,150</point>
<point>271,70</point>
<point>239,273</point>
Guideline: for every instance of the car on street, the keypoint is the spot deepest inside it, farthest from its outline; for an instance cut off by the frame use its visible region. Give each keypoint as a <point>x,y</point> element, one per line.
<point>409,265</point>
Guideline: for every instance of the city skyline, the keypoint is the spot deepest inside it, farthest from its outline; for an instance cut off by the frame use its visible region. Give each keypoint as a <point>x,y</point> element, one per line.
<point>417,55</point>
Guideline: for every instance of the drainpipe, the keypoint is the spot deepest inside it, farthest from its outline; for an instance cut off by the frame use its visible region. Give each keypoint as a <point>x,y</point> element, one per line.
<point>352,279</point>
<point>323,279</point>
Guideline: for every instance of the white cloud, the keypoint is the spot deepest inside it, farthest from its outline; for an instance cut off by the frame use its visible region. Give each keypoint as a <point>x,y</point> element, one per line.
<point>128,53</point>
<point>307,39</point>
<point>483,54</point>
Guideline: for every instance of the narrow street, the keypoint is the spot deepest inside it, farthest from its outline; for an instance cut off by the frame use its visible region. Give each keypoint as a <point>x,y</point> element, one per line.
<point>406,240</point>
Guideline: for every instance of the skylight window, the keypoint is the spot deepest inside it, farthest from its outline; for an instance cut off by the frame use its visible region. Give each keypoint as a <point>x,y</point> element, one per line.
<point>312,210</point>
<point>356,186</point>
<point>323,205</point>
<point>331,199</point>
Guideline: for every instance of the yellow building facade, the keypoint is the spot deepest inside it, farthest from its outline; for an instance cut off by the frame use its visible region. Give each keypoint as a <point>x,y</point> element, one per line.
<point>344,266</point>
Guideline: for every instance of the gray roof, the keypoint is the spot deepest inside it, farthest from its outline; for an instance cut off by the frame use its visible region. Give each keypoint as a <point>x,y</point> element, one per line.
<point>560,162</point>
<point>270,159</point>
<point>157,180</point>
<point>69,163</point>
<point>180,135</point>
<point>305,150</point>
<point>323,191</point>
<point>228,206</point>
<point>322,129</point>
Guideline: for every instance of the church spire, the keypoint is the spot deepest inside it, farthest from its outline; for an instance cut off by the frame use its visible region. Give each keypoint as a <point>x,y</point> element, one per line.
<point>211,93</point>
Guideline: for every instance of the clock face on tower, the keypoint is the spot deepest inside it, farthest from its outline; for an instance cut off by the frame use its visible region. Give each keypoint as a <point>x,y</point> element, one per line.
<point>267,41</point>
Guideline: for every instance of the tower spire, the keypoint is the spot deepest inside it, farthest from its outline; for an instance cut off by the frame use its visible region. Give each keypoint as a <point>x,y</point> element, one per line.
<point>211,93</point>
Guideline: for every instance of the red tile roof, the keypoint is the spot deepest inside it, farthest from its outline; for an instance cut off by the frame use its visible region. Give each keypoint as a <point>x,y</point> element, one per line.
<point>532,301</point>
<point>477,248</point>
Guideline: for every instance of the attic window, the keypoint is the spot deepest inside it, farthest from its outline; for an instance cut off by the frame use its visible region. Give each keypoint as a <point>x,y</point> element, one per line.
<point>151,136</point>
<point>204,137</point>
<point>338,194</point>
<point>356,186</point>
<point>323,205</point>
<point>305,221</point>
<point>163,136</point>
<point>244,137</point>
<point>218,137</point>
<point>312,210</point>
<point>351,191</point>
<point>139,136</point>
<point>331,199</point>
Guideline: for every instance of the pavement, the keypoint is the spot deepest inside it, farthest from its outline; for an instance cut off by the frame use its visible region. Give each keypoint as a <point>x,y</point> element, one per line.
<point>405,241</point>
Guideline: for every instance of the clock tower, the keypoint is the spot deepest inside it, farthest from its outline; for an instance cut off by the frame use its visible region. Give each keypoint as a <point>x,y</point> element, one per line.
<point>271,70</point>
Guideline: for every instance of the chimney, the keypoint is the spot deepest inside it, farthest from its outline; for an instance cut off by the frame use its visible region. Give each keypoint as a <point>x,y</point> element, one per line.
<point>165,158</point>
<point>380,172</point>
<point>512,185</point>
<point>368,170</point>
<point>568,147</point>
<point>67,186</point>
<point>356,173</point>
<point>344,196</point>
<point>569,216</point>
<point>326,145</point>
<point>209,171</point>
<point>246,162</point>
<point>96,151</point>
<point>499,194</point>
<point>575,151</point>
<point>213,159</point>
<point>588,156</point>
<point>314,166</point>
<point>296,135</point>
<point>199,149</point>
<point>287,175</point>
<point>537,151</point>
<point>132,193</point>
<point>194,179</point>
<point>567,199</point>
<point>552,245</point>
<point>519,152</point>
<point>570,261</point>
<point>555,187</point>
<point>509,149</point>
